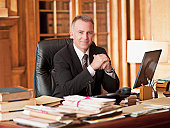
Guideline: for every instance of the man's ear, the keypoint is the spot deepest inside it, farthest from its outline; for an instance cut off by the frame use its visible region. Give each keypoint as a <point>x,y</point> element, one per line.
<point>71,34</point>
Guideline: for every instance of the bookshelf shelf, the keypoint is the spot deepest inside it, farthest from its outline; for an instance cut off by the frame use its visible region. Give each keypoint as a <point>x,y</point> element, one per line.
<point>46,10</point>
<point>91,11</point>
<point>59,34</point>
<point>46,0</point>
<point>102,33</point>
<point>44,35</point>
<point>63,34</point>
<point>63,11</point>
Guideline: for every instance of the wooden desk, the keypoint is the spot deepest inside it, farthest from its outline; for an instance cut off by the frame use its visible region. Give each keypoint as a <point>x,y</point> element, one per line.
<point>158,120</point>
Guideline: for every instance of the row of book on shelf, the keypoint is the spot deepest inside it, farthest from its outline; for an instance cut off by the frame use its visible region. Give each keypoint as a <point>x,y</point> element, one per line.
<point>18,104</point>
<point>63,22</point>
<point>48,23</point>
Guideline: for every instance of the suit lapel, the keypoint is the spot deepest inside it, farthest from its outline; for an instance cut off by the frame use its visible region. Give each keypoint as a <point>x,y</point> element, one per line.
<point>75,60</point>
<point>91,53</point>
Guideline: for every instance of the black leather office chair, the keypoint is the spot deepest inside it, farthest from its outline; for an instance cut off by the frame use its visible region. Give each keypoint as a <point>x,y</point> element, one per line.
<point>44,68</point>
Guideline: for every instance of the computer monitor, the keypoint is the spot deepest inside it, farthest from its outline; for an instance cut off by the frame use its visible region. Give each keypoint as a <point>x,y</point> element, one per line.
<point>147,67</point>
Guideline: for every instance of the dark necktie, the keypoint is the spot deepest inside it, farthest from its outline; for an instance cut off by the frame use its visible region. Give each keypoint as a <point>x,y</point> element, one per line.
<point>84,61</point>
<point>84,65</point>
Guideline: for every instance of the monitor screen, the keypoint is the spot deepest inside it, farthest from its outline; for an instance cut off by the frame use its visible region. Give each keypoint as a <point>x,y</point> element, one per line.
<point>147,67</point>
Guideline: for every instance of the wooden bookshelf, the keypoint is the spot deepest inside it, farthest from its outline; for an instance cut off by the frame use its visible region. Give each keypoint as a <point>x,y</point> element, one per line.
<point>55,17</point>
<point>99,11</point>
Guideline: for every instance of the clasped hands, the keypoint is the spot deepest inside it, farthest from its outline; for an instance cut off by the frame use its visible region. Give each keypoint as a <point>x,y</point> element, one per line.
<point>101,61</point>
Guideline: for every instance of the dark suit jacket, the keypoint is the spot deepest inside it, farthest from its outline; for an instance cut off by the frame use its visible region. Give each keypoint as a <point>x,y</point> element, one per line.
<point>71,79</point>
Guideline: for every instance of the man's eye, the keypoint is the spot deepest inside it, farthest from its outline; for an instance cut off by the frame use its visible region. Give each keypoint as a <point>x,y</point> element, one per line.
<point>80,32</point>
<point>90,33</point>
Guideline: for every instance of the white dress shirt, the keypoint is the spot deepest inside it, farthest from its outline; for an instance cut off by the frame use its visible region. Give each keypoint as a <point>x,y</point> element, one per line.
<point>80,56</point>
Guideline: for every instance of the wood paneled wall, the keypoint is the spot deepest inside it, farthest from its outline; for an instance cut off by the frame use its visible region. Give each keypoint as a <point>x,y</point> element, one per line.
<point>119,38</point>
<point>10,69</point>
<point>160,30</point>
<point>131,19</point>
<point>150,18</point>
<point>17,44</point>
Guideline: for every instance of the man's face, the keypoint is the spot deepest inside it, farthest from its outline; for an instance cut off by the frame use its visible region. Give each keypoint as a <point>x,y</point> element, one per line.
<point>82,34</point>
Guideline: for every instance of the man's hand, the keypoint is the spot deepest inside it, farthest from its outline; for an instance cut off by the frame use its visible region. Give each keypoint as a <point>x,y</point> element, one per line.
<point>107,66</point>
<point>101,61</point>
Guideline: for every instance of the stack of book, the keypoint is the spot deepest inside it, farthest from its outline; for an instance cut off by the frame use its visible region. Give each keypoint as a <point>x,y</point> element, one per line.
<point>85,106</point>
<point>12,101</point>
<point>43,116</point>
<point>74,110</point>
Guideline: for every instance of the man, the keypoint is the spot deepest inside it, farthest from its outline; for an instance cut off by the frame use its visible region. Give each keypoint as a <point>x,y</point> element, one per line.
<point>71,78</point>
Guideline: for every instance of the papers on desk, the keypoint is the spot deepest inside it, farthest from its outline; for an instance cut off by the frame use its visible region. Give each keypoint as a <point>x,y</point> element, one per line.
<point>38,122</point>
<point>106,119</point>
<point>148,107</point>
<point>106,116</point>
<point>84,106</point>
<point>74,109</point>
<point>165,101</point>
<point>87,110</point>
<point>141,109</point>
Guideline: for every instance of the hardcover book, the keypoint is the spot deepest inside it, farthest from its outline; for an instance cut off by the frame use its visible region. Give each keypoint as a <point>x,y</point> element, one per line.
<point>17,105</point>
<point>15,93</point>
<point>4,116</point>
<point>48,101</point>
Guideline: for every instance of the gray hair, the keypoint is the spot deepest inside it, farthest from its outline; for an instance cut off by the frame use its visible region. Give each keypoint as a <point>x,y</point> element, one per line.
<point>84,18</point>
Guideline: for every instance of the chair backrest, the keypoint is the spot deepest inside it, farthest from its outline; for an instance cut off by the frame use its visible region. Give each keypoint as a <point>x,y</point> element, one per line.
<point>44,69</point>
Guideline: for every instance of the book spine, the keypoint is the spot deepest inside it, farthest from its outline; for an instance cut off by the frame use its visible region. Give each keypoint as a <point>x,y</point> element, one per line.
<point>41,115</point>
<point>50,23</point>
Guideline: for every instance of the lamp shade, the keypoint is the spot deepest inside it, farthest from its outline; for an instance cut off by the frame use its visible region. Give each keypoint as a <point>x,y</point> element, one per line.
<point>137,48</point>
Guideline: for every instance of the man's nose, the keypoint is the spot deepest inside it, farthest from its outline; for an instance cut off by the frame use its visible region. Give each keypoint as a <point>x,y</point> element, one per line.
<point>85,35</point>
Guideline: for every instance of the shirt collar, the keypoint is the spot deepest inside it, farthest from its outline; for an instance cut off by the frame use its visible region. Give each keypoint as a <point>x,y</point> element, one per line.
<point>80,53</point>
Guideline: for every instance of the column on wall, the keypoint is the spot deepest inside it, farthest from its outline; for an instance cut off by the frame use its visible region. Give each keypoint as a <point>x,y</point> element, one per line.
<point>119,39</point>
